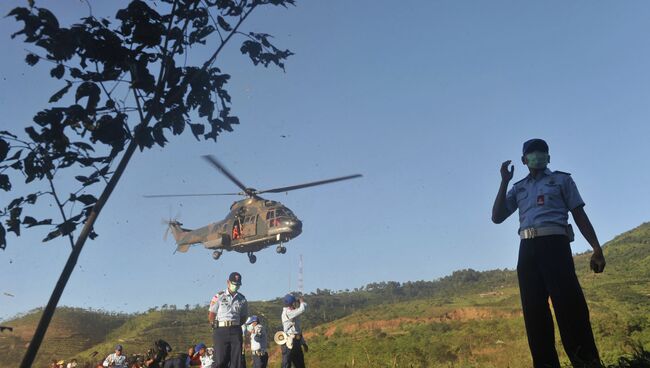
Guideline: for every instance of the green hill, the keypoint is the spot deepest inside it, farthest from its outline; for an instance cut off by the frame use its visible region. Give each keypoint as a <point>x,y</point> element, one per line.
<point>480,324</point>
<point>72,330</point>
<point>467,319</point>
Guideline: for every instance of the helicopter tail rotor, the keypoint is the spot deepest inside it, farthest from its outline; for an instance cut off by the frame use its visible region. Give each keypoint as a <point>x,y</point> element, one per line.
<point>170,221</point>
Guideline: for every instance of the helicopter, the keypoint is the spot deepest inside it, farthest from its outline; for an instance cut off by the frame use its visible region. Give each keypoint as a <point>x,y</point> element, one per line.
<point>253,223</point>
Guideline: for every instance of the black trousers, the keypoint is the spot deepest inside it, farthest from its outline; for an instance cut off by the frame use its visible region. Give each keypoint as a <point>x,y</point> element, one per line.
<point>227,347</point>
<point>260,361</point>
<point>545,269</point>
<point>174,363</point>
<point>293,356</point>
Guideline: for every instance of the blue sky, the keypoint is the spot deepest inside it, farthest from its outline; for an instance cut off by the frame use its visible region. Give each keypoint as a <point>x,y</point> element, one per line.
<point>424,98</point>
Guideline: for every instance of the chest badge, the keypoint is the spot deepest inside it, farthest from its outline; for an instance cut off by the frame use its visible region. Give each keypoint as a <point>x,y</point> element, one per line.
<point>540,200</point>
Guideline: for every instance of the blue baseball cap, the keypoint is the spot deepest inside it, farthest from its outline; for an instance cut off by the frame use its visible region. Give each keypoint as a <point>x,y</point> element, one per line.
<point>535,144</point>
<point>289,299</point>
<point>200,346</point>
<point>118,347</point>
<point>252,319</point>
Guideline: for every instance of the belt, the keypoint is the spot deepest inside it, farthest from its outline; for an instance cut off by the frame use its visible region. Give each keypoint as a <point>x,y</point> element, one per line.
<point>259,352</point>
<point>533,232</point>
<point>225,323</point>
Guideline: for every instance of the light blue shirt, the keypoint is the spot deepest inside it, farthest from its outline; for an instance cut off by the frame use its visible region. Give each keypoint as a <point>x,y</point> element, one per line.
<point>117,361</point>
<point>259,341</point>
<point>545,200</point>
<point>229,307</point>
<point>291,319</point>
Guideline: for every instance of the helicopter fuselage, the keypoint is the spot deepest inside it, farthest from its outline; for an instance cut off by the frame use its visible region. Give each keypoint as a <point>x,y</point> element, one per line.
<point>251,225</point>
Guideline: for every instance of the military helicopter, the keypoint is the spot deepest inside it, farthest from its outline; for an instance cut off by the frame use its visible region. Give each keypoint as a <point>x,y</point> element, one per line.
<point>253,223</point>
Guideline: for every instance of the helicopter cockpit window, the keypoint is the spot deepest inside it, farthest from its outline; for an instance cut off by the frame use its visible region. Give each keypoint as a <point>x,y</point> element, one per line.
<point>270,215</point>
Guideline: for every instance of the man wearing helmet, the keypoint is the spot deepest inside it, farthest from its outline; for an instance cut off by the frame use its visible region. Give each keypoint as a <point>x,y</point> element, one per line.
<point>545,267</point>
<point>292,349</point>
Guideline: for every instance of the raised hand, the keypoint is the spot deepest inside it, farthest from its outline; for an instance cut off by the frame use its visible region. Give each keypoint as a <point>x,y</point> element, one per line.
<point>506,175</point>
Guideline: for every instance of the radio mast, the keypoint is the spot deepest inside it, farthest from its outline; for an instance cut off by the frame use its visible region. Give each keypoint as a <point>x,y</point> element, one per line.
<point>301,285</point>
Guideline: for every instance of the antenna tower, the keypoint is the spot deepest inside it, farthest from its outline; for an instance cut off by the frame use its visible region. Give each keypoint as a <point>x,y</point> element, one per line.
<point>301,285</point>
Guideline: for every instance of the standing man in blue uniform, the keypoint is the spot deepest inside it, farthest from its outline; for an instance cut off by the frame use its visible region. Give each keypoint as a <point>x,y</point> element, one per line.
<point>545,267</point>
<point>227,313</point>
<point>292,349</point>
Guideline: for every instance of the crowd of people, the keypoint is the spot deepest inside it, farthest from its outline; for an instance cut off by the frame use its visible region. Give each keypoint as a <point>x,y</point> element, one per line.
<point>231,324</point>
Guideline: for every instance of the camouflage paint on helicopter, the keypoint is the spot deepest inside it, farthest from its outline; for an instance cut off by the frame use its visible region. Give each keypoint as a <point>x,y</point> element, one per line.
<point>251,225</point>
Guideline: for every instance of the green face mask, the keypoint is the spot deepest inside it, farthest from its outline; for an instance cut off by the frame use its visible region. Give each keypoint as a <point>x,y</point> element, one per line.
<point>537,160</point>
<point>233,288</point>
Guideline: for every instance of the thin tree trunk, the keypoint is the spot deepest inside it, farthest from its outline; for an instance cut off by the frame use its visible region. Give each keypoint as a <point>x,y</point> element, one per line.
<point>49,310</point>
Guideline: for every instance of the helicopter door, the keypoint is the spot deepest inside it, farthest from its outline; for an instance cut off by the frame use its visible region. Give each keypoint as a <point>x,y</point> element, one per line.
<point>249,226</point>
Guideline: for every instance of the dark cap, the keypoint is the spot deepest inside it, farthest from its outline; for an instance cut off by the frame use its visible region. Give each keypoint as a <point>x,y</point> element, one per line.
<point>533,145</point>
<point>235,278</point>
<point>289,299</point>
<point>118,347</point>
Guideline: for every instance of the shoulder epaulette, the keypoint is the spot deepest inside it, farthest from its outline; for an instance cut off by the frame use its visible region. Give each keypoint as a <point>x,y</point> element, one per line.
<point>520,181</point>
<point>561,172</point>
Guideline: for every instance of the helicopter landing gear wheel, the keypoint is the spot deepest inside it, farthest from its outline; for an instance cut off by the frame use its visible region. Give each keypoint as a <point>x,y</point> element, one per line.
<point>216,254</point>
<point>281,249</point>
<point>252,258</point>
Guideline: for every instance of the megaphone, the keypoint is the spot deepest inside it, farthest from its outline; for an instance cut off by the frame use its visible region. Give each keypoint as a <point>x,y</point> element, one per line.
<point>280,338</point>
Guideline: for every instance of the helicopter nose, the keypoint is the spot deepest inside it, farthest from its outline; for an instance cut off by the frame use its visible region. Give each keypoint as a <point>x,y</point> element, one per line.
<point>296,226</point>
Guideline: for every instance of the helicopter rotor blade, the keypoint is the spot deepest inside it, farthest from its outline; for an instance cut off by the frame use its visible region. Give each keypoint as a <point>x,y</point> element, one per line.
<point>188,195</point>
<point>312,184</point>
<point>213,160</point>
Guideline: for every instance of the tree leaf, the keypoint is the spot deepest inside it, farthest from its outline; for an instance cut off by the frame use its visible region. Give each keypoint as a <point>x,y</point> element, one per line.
<point>4,149</point>
<point>15,202</point>
<point>5,184</point>
<point>223,24</point>
<point>86,199</point>
<point>197,129</point>
<point>29,221</point>
<point>57,96</point>
<point>84,146</point>
<point>90,90</point>
<point>32,59</point>
<point>3,237</point>
<point>52,235</point>
<point>58,71</point>
<point>13,224</point>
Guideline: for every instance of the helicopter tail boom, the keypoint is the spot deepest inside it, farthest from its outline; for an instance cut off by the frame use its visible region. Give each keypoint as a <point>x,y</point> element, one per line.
<point>178,233</point>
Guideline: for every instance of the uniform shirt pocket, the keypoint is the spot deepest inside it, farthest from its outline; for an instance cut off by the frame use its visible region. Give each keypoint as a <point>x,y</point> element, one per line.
<point>553,195</point>
<point>521,196</point>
